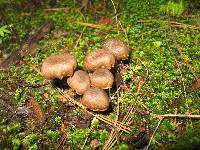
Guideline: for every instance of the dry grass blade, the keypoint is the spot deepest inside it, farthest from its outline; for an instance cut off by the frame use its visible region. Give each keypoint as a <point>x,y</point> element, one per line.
<point>66,9</point>
<point>118,125</point>
<point>116,133</point>
<point>77,42</point>
<point>97,26</point>
<point>69,99</point>
<point>90,25</point>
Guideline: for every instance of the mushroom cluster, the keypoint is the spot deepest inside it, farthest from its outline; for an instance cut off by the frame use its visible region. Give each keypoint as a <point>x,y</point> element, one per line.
<point>91,85</point>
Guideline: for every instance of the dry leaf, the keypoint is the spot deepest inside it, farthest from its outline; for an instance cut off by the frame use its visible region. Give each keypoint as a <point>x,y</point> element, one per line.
<point>38,111</point>
<point>62,129</point>
<point>195,86</point>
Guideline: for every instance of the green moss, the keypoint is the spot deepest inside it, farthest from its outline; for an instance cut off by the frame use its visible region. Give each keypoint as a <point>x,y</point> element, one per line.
<point>53,135</point>
<point>77,137</point>
<point>154,58</point>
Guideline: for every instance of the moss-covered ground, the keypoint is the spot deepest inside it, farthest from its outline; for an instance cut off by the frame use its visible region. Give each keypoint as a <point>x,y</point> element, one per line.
<point>164,62</point>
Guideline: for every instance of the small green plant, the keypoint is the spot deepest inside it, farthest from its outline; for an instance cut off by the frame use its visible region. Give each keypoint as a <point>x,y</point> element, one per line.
<point>77,137</point>
<point>19,96</point>
<point>172,8</point>
<point>30,139</point>
<point>4,32</point>
<point>9,137</point>
<point>11,128</point>
<point>134,70</point>
<point>101,135</point>
<point>33,147</point>
<point>123,147</point>
<point>16,143</point>
<point>95,123</point>
<point>54,98</point>
<point>58,120</point>
<point>53,135</point>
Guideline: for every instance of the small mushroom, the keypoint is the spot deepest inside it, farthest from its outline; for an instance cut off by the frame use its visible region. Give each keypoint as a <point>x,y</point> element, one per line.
<point>102,78</point>
<point>95,99</point>
<point>58,66</point>
<point>117,48</point>
<point>99,58</point>
<point>80,82</point>
<point>94,144</point>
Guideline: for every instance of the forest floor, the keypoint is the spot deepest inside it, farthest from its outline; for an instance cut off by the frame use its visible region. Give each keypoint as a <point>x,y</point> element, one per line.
<point>155,103</point>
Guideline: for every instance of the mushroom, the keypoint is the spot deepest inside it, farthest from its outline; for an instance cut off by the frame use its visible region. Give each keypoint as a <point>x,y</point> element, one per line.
<point>95,99</point>
<point>117,48</point>
<point>58,66</point>
<point>99,58</point>
<point>80,82</point>
<point>102,78</point>
<point>94,144</point>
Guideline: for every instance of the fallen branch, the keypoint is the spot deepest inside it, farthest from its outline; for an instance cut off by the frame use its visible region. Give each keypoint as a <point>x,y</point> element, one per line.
<point>28,46</point>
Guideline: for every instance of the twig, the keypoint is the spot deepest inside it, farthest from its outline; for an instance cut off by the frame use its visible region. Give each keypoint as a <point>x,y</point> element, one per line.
<point>62,142</point>
<point>32,85</point>
<point>116,18</point>
<point>113,95</point>
<point>116,133</point>
<point>28,46</point>
<point>113,136</point>
<point>97,26</point>
<point>154,132</point>
<point>90,25</point>
<point>173,23</point>
<point>147,21</point>
<point>176,116</point>
<point>56,9</point>
<point>77,42</point>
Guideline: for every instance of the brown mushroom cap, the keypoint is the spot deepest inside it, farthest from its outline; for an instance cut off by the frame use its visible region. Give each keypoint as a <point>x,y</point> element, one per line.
<point>99,58</point>
<point>58,66</point>
<point>80,82</point>
<point>117,48</point>
<point>95,99</point>
<point>102,78</point>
